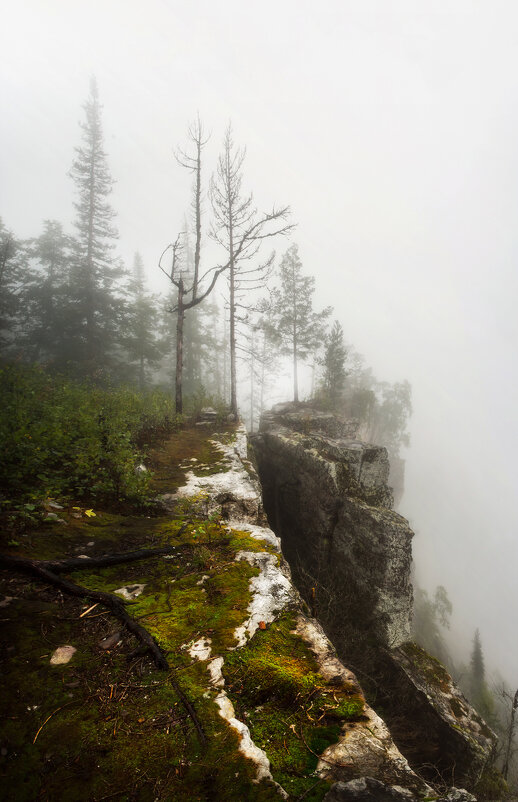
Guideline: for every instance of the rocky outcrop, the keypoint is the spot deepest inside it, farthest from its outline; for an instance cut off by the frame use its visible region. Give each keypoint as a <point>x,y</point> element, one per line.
<point>364,744</point>
<point>327,497</point>
<point>367,789</point>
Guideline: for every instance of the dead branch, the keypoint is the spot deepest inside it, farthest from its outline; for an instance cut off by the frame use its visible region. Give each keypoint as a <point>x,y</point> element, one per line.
<point>84,563</point>
<point>115,605</point>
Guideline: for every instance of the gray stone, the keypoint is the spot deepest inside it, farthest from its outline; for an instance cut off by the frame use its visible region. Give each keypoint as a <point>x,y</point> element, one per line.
<point>336,491</point>
<point>110,641</point>
<point>458,795</point>
<point>368,789</point>
<point>208,415</point>
<point>6,601</point>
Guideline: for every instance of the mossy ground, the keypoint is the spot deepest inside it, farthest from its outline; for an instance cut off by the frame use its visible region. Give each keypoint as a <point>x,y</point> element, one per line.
<point>292,713</point>
<point>111,726</point>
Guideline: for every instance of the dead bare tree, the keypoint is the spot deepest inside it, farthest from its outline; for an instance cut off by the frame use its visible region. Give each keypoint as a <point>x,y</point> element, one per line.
<point>178,278</point>
<point>192,162</point>
<point>240,230</point>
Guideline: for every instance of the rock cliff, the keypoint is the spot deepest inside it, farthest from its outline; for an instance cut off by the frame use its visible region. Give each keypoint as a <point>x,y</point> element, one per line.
<point>327,497</point>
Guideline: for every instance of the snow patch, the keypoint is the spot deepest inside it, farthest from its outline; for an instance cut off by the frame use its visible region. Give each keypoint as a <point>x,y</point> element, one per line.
<point>246,744</point>
<point>129,592</point>
<point>272,591</point>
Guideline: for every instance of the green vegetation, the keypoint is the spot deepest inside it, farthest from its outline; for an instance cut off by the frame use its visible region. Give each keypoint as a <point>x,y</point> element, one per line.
<point>73,440</point>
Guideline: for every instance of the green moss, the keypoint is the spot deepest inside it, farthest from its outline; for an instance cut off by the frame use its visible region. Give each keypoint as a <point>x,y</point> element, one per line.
<point>275,685</point>
<point>431,669</point>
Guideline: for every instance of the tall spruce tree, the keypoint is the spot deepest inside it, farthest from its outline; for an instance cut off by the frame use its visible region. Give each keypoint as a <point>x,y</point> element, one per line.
<point>94,299</point>
<point>335,355</point>
<point>300,328</point>
<point>480,695</point>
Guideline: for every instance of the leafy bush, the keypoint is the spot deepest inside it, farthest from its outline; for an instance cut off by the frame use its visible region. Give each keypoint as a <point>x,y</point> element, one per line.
<point>65,438</point>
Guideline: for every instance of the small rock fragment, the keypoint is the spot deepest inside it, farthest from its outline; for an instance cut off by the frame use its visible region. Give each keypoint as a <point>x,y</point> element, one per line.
<point>110,641</point>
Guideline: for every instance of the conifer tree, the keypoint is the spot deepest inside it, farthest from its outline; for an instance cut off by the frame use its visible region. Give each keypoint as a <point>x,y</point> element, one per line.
<point>335,355</point>
<point>11,280</point>
<point>480,695</point>
<point>49,313</point>
<point>94,298</point>
<point>141,342</point>
<point>300,328</point>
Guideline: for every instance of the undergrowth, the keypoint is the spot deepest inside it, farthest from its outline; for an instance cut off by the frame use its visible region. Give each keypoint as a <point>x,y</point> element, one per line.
<point>71,439</point>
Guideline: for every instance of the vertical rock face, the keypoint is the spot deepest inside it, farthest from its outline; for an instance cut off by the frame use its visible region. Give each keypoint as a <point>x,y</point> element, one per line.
<point>327,497</point>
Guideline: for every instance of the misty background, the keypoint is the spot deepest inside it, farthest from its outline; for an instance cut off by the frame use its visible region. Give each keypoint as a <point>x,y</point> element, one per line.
<point>391,129</point>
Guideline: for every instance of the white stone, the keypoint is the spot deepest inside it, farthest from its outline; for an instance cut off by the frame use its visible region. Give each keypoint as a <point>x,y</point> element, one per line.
<point>200,649</point>
<point>62,655</point>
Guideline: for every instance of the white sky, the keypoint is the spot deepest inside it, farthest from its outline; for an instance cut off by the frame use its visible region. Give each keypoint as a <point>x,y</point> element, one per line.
<point>391,129</point>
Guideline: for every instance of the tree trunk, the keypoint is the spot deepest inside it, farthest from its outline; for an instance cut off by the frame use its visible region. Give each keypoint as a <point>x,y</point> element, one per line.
<point>179,350</point>
<point>252,386</point>
<point>263,377</point>
<point>295,376</point>
<point>510,734</point>
<point>233,379</point>
<point>142,375</point>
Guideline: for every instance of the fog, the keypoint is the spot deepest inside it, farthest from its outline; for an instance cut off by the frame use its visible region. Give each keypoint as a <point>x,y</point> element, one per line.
<point>391,130</point>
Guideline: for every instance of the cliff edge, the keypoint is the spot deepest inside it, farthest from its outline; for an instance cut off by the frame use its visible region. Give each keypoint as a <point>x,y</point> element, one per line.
<point>327,497</point>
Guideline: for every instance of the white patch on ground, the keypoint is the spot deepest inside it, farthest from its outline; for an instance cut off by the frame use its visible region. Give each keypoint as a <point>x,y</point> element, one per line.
<point>130,592</point>
<point>62,655</point>
<point>257,532</point>
<point>232,485</point>
<point>272,591</point>
<point>200,649</point>
<point>246,744</point>
<point>216,674</point>
<point>202,580</point>
<point>235,482</point>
